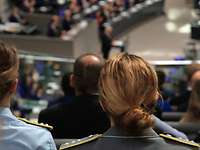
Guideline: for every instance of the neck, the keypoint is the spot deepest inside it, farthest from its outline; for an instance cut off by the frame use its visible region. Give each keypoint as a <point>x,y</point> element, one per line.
<point>5,102</point>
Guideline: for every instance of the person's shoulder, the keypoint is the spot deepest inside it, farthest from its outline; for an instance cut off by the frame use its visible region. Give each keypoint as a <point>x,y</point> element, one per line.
<point>34,124</point>
<point>171,143</point>
<point>30,131</point>
<point>179,142</point>
<point>52,110</point>
<point>80,142</point>
<point>22,134</point>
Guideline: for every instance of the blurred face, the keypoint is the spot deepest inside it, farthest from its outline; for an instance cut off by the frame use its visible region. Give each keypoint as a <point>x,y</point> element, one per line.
<point>74,2</point>
<point>119,2</point>
<point>15,11</point>
<point>195,77</point>
<point>68,14</point>
<point>56,20</point>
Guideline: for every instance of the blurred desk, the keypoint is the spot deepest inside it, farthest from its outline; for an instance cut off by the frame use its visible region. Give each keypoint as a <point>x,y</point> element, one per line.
<point>16,28</point>
<point>72,46</point>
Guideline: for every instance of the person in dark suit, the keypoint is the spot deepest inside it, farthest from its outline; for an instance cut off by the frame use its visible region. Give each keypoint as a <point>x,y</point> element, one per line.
<point>54,27</point>
<point>16,17</point>
<point>106,41</point>
<point>83,116</point>
<point>128,89</point>
<point>67,21</point>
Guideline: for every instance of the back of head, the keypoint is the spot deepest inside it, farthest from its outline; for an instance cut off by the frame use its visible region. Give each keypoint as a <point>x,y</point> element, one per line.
<point>9,65</point>
<point>128,91</point>
<point>86,73</point>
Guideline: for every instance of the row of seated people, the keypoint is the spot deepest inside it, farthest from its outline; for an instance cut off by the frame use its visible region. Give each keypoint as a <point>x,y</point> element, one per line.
<point>35,77</point>
<point>178,101</point>
<point>76,6</point>
<point>106,12</point>
<point>56,28</point>
<point>31,88</point>
<point>121,106</point>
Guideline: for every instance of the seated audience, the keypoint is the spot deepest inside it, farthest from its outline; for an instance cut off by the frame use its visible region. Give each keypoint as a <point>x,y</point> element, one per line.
<point>83,116</point>
<point>54,27</point>
<point>67,89</point>
<point>75,7</point>
<point>106,41</point>
<point>118,7</point>
<point>67,21</point>
<point>181,100</point>
<point>128,93</point>
<point>193,112</point>
<point>15,17</point>
<point>29,5</point>
<point>92,2</point>
<point>16,134</point>
<point>163,102</point>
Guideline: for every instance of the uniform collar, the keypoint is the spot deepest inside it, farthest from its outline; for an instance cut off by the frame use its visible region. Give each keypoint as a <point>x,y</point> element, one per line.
<point>114,131</point>
<point>5,111</point>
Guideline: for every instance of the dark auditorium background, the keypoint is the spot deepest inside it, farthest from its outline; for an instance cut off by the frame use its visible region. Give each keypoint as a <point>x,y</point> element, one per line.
<point>51,34</point>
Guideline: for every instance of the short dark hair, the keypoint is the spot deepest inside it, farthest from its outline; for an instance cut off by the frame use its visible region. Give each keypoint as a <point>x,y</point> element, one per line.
<point>87,75</point>
<point>9,64</point>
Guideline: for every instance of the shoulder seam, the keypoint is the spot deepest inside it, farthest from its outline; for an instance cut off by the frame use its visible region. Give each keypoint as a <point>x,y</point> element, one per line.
<point>187,142</point>
<point>80,141</point>
<point>36,124</point>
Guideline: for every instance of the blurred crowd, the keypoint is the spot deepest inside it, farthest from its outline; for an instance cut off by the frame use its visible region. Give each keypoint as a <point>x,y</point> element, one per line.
<point>36,80</point>
<point>64,12</point>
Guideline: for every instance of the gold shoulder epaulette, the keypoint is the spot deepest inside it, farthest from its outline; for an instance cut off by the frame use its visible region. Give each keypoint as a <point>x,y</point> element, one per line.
<point>36,123</point>
<point>77,142</point>
<point>180,140</point>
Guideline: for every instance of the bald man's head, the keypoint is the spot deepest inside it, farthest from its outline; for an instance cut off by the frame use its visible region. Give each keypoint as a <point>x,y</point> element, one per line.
<point>86,72</point>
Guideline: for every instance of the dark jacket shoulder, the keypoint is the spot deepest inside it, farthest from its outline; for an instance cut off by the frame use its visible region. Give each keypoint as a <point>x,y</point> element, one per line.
<point>81,117</point>
<point>115,139</point>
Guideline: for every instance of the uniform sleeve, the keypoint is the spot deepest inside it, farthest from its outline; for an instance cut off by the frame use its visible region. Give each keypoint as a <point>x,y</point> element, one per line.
<point>164,127</point>
<point>46,141</point>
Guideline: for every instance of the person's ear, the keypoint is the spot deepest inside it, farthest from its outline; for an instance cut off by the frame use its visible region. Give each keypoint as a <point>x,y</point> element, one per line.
<point>72,80</point>
<point>13,86</point>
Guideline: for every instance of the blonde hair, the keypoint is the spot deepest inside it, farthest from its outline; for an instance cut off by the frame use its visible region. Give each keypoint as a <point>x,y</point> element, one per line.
<point>9,65</point>
<point>128,89</point>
